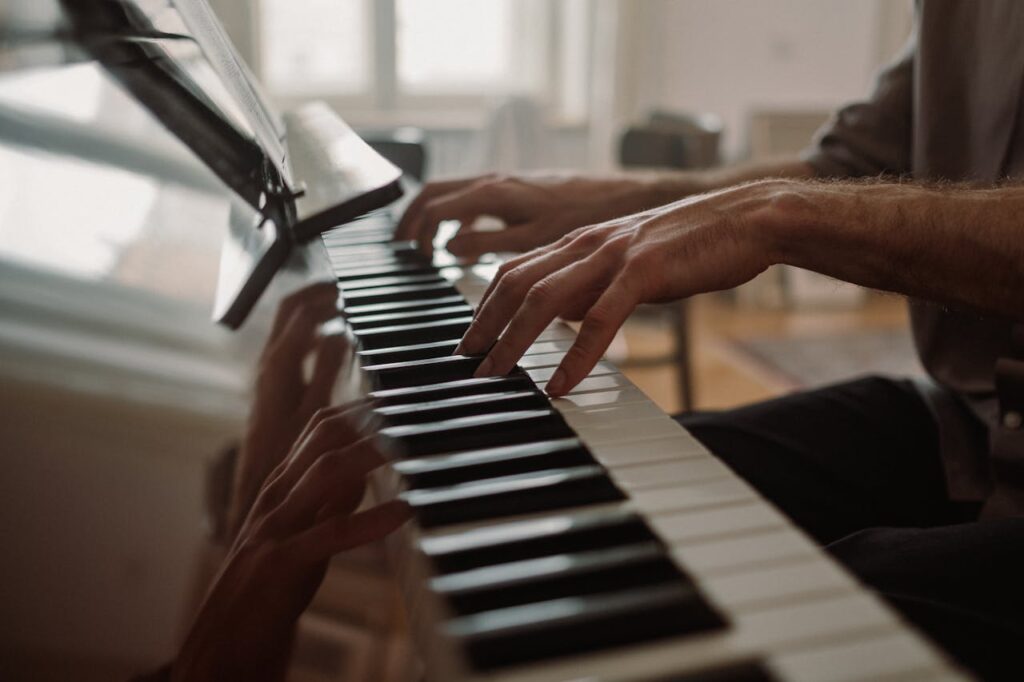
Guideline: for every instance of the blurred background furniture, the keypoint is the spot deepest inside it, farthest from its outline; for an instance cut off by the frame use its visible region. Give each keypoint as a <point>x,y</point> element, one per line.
<point>672,141</point>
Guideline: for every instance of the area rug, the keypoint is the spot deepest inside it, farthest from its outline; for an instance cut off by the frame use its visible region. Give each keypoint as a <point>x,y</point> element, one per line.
<point>807,361</point>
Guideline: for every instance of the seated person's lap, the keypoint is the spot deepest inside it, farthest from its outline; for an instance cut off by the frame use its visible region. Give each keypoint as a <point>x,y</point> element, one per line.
<point>838,459</point>
<point>857,465</point>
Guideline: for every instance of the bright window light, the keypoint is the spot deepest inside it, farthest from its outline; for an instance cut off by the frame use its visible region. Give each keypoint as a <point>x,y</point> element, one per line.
<point>454,45</point>
<point>315,45</point>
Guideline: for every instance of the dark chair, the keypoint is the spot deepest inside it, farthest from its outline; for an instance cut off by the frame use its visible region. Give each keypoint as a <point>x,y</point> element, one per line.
<point>404,147</point>
<point>672,141</point>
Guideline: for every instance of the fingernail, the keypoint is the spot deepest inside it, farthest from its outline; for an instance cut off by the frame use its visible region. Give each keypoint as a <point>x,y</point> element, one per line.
<point>556,386</point>
<point>484,370</point>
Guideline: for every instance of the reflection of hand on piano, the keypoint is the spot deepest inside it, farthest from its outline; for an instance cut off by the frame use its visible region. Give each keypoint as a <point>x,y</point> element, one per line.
<point>284,400</point>
<point>302,516</point>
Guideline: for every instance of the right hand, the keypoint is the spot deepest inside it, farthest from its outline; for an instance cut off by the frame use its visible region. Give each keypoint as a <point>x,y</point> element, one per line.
<point>536,210</point>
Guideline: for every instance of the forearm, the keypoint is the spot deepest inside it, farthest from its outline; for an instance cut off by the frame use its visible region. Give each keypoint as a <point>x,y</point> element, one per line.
<point>666,187</point>
<point>956,246</point>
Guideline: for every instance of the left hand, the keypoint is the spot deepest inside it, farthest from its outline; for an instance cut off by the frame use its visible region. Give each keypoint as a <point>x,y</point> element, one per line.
<point>601,273</point>
<point>284,400</point>
<point>302,516</point>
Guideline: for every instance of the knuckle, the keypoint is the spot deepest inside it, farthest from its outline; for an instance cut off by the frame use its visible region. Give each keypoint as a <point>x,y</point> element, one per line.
<point>321,415</point>
<point>541,294</point>
<point>328,464</point>
<point>589,238</point>
<point>577,355</point>
<point>598,317</point>
<point>504,269</point>
<point>510,283</point>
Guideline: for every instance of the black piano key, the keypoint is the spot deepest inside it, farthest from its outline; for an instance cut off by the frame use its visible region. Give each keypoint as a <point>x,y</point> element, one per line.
<point>345,262</point>
<point>554,534</point>
<point>394,269</point>
<point>482,431</point>
<point>402,306</point>
<point>536,491</point>
<point>353,285</point>
<point>501,461</point>
<point>409,316</point>
<point>461,406</point>
<point>554,577</point>
<point>420,372</point>
<point>410,334</point>
<point>452,389</point>
<point>743,671</point>
<point>419,351</point>
<point>412,292</point>
<point>575,625</point>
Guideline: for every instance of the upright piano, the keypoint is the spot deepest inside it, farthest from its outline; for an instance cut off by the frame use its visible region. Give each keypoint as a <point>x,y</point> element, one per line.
<point>587,537</point>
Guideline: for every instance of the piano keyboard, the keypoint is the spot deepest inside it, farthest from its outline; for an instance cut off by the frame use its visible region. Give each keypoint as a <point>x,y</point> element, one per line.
<point>588,537</point>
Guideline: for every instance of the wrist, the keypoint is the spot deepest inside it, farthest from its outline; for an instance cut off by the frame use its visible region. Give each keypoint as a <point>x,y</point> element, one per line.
<point>786,212</point>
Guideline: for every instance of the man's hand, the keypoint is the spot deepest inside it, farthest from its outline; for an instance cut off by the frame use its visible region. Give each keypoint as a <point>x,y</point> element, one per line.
<point>601,273</point>
<point>536,210</point>
<point>284,400</point>
<point>302,516</point>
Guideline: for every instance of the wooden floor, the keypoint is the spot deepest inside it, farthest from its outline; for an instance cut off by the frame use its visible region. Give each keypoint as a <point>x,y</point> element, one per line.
<point>723,377</point>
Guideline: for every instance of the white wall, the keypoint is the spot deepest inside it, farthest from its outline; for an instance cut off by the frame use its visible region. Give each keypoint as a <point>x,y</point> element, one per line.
<point>732,56</point>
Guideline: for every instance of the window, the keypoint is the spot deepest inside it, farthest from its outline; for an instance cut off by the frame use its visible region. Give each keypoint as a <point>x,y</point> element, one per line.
<point>405,59</point>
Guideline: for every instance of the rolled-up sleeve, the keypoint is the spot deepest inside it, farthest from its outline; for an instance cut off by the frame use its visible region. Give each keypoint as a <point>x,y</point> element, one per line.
<point>871,137</point>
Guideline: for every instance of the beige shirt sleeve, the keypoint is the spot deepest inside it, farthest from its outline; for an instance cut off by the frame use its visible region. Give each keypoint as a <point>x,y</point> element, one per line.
<point>873,136</point>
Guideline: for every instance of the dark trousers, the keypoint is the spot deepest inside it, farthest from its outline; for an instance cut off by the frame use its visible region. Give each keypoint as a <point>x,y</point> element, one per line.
<point>857,466</point>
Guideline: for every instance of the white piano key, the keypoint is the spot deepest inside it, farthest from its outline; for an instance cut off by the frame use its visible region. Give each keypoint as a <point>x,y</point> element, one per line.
<point>678,528</point>
<point>689,471</point>
<point>714,493</point>
<point>557,332</point>
<point>597,383</point>
<point>626,416</point>
<point>803,625</point>
<point>655,427</point>
<point>578,401</point>
<point>536,360</point>
<point>707,558</point>
<point>873,658</point>
<point>643,449</point>
<point>543,374</point>
<point>760,586</point>
<point>541,347</point>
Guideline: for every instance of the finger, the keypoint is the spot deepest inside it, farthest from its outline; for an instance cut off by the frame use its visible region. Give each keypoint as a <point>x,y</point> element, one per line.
<point>471,244</point>
<point>600,324</point>
<point>464,205</point>
<point>343,504</point>
<point>345,532</point>
<point>511,288</point>
<point>335,431</point>
<point>408,226</point>
<point>583,240</point>
<point>313,294</point>
<point>545,301</point>
<point>281,364</point>
<point>331,352</point>
<point>504,269</point>
<point>334,477</point>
